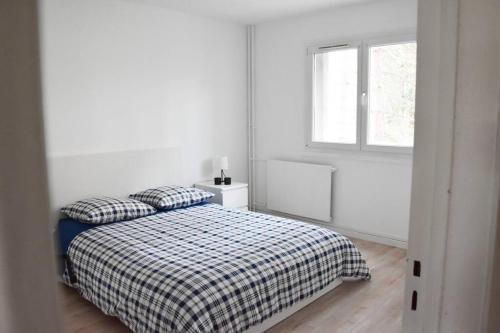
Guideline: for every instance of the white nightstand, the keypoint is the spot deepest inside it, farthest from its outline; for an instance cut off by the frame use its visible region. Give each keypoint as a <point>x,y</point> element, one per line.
<point>234,195</point>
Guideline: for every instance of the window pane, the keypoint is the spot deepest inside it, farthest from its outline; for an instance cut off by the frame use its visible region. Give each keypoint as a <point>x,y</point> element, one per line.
<point>335,96</point>
<point>391,94</point>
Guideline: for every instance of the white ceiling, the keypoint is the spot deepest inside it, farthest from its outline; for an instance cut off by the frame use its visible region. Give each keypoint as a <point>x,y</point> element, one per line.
<point>252,11</point>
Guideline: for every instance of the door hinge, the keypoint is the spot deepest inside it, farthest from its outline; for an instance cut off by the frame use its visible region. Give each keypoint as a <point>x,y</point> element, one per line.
<point>416,268</point>
<point>414,297</point>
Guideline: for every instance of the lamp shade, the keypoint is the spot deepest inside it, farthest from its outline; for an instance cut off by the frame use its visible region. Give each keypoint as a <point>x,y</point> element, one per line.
<point>224,163</point>
<point>220,163</point>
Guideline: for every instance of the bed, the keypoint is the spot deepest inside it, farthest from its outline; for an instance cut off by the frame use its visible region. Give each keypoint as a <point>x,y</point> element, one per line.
<point>206,268</point>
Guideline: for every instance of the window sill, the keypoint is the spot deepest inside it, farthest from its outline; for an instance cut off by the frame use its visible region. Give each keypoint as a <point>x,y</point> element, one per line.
<point>355,152</point>
<point>328,147</point>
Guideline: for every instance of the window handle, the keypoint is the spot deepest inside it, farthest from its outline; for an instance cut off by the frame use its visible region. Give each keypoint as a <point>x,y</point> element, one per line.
<point>364,99</point>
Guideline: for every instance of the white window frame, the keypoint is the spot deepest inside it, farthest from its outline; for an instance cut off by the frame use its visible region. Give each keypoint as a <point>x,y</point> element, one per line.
<point>323,48</point>
<point>363,46</point>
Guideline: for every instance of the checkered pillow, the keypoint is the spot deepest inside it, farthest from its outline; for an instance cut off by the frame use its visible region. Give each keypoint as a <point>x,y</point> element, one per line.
<point>170,197</point>
<point>106,210</point>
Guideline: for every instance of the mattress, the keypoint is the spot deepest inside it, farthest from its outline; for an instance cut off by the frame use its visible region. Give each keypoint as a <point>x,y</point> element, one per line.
<point>206,268</point>
<point>68,229</point>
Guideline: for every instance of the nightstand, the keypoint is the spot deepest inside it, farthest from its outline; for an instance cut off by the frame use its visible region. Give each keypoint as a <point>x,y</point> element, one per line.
<point>234,195</point>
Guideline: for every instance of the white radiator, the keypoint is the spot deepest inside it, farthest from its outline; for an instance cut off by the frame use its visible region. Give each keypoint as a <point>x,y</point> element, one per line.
<point>300,189</point>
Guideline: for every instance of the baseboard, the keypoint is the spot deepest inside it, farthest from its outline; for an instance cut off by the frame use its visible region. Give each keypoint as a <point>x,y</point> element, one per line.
<point>349,232</point>
<point>368,237</point>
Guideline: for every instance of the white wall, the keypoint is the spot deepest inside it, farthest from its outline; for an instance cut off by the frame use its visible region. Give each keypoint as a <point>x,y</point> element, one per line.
<point>372,193</point>
<point>125,75</point>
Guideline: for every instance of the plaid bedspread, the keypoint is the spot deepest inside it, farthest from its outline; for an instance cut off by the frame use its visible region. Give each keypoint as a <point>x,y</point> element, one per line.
<point>206,268</point>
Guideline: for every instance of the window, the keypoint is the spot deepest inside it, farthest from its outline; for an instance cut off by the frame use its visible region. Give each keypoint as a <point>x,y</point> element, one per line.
<point>335,96</point>
<point>363,95</point>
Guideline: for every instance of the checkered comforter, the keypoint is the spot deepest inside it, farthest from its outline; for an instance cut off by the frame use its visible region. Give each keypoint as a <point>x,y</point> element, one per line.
<point>206,268</point>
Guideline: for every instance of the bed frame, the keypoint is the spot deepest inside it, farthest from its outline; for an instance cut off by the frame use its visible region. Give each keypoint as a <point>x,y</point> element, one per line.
<point>270,322</point>
<point>74,177</point>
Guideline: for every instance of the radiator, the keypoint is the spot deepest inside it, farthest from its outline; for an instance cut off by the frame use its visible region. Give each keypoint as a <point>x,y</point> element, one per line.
<point>300,189</point>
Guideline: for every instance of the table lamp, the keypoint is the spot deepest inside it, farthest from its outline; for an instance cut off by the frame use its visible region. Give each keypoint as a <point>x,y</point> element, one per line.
<point>221,163</point>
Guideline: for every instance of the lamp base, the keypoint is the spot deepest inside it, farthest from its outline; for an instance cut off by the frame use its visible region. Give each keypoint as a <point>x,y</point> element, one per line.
<point>220,181</point>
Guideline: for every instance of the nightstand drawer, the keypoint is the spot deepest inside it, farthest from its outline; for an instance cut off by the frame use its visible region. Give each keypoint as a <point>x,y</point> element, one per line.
<point>231,196</point>
<point>235,198</point>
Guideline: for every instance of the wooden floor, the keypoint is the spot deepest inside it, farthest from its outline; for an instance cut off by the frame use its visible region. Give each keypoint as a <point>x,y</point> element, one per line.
<point>364,306</point>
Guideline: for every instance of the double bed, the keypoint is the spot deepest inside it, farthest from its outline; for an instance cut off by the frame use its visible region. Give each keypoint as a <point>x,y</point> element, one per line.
<point>205,268</point>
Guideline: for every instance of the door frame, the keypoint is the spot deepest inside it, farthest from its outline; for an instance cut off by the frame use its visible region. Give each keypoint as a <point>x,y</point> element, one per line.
<point>450,120</point>
<point>437,38</point>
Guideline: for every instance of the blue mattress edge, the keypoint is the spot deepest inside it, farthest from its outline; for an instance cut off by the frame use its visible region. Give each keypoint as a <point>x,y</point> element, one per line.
<point>69,228</point>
